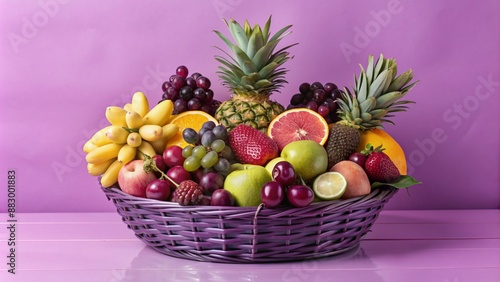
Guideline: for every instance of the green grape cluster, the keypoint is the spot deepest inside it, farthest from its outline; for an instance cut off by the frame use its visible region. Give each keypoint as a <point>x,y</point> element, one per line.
<point>207,148</point>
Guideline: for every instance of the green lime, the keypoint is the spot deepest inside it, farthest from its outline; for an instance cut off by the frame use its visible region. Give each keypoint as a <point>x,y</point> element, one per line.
<point>329,185</point>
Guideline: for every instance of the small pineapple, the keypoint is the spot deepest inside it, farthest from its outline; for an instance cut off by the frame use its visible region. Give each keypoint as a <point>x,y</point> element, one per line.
<point>252,73</point>
<point>376,96</point>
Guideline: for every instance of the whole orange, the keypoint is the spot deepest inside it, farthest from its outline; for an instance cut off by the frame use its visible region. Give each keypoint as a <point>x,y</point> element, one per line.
<point>377,137</point>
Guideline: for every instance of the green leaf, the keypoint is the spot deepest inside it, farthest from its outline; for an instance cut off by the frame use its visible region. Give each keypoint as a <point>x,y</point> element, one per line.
<point>362,87</point>
<point>404,181</point>
<point>379,66</point>
<point>280,52</point>
<point>255,42</point>
<point>229,67</point>
<point>383,101</point>
<point>247,28</point>
<point>228,55</point>
<point>378,86</point>
<point>400,81</point>
<point>267,70</point>
<point>265,32</point>
<point>262,56</point>
<point>247,80</point>
<point>238,34</point>
<point>369,70</point>
<point>244,62</point>
<point>225,39</point>
<point>262,84</point>
<point>278,35</point>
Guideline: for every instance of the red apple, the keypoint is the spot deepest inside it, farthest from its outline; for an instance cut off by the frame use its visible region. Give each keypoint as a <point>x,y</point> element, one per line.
<point>133,180</point>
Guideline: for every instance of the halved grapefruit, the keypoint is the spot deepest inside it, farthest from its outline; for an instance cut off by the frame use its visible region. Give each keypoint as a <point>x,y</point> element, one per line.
<point>298,124</point>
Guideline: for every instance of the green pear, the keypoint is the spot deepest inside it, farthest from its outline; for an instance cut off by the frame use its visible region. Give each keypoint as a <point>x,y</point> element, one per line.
<point>245,184</point>
<point>308,158</point>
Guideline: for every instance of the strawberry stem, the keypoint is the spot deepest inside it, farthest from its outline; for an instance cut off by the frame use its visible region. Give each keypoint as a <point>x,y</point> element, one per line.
<point>369,149</point>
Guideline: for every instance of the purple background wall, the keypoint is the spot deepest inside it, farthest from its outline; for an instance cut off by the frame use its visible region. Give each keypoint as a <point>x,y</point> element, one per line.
<point>63,62</point>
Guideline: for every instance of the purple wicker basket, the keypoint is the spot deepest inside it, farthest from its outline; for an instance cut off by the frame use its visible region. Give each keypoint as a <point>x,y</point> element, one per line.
<point>249,234</point>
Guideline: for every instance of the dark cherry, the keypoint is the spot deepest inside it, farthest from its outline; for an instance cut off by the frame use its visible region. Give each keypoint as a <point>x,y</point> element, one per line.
<point>172,156</point>
<point>284,173</point>
<point>358,158</point>
<point>221,197</point>
<point>159,162</point>
<point>272,194</point>
<point>300,195</point>
<point>158,189</point>
<point>178,174</point>
<point>211,181</point>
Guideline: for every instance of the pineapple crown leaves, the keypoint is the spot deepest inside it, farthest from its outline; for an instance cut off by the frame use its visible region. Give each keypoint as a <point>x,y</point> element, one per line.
<point>376,95</point>
<point>254,66</point>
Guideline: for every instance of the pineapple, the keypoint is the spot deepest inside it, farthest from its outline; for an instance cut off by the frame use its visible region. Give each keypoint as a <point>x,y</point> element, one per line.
<point>252,73</point>
<point>376,97</point>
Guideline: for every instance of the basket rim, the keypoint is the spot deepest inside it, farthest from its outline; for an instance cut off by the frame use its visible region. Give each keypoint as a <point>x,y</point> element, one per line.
<point>376,194</point>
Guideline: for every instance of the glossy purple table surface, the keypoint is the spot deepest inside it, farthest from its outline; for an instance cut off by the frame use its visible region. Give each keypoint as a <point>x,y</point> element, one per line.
<point>441,246</point>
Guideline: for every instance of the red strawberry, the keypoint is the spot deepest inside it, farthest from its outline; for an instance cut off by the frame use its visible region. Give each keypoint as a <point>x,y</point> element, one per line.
<point>379,167</point>
<point>251,146</point>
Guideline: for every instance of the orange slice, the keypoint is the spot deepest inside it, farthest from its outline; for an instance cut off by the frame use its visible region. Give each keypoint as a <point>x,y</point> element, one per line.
<point>298,124</point>
<point>188,119</point>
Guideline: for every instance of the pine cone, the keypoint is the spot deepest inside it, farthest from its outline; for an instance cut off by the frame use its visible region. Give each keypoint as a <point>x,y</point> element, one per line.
<point>188,193</point>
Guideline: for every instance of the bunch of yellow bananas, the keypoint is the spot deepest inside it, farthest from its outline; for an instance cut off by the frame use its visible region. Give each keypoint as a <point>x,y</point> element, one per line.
<point>134,130</point>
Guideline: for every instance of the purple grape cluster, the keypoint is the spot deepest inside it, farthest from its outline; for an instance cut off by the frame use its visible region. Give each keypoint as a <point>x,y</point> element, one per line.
<point>189,92</point>
<point>319,98</point>
<point>207,148</point>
